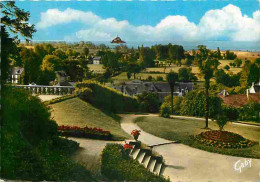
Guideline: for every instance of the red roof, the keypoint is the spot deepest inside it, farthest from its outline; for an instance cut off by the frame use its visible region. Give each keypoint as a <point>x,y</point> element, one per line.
<point>238,100</point>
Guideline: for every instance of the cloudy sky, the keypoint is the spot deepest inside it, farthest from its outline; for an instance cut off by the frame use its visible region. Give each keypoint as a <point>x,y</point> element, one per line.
<point>233,20</point>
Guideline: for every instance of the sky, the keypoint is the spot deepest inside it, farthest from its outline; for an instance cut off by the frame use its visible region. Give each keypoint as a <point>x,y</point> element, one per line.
<point>179,20</point>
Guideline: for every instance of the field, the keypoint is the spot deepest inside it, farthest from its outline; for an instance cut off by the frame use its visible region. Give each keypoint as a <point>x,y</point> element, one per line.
<point>97,68</point>
<point>181,130</point>
<point>79,113</point>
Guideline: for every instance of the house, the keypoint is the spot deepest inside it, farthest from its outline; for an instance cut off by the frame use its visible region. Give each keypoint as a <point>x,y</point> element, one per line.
<point>238,100</point>
<point>136,87</point>
<point>97,60</point>
<point>17,74</point>
<point>117,40</point>
<point>62,78</point>
<point>255,88</point>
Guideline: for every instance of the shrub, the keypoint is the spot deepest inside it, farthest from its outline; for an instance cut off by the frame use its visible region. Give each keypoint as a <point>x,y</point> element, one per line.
<point>85,94</point>
<point>250,112</point>
<point>176,103</point>
<point>109,99</point>
<point>193,104</point>
<point>159,78</point>
<point>230,112</point>
<point>221,121</point>
<point>165,111</point>
<point>148,102</point>
<point>149,78</point>
<point>117,165</point>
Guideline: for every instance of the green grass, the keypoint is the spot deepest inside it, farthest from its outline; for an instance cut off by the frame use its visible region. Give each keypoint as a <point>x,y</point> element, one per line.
<point>79,113</point>
<point>182,130</point>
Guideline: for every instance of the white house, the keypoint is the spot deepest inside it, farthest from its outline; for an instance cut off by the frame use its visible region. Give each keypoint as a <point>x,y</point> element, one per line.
<point>97,60</point>
<point>17,74</point>
<point>255,88</point>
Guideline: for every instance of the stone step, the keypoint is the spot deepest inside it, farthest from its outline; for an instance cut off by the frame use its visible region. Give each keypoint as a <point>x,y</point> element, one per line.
<point>151,164</point>
<point>134,149</point>
<point>135,153</point>
<point>141,155</point>
<point>158,168</point>
<point>162,169</point>
<point>146,160</point>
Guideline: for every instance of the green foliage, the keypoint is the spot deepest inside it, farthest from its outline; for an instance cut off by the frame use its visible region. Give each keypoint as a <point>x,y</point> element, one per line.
<point>238,62</point>
<point>227,79</point>
<point>146,56</point>
<point>232,113</point>
<point>111,60</point>
<point>177,101</point>
<point>84,94</point>
<point>159,78</point>
<point>186,75</point>
<point>148,102</point>
<point>165,110</point>
<point>221,121</point>
<point>250,112</point>
<point>230,55</point>
<point>116,165</point>
<point>226,67</point>
<point>109,99</point>
<point>51,63</point>
<point>134,68</point>
<point>193,104</point>
<point>32,150</point>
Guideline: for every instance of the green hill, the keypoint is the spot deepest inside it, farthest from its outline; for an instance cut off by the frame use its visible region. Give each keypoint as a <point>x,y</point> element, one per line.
<point>80,113</point>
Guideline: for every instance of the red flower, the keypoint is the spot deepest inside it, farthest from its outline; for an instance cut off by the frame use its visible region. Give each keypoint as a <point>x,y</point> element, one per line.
<point>127,146</point>
<point>135,132</point>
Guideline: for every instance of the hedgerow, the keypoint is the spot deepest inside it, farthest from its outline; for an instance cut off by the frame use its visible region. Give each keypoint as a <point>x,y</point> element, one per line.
<point>109,99</point>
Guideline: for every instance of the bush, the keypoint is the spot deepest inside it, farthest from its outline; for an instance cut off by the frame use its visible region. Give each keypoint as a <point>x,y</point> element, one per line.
<point>148,102</point>
<point>149,78</point>
<point>159,78</point>
<point>250,112</point>
<point>109,99</point>
<point>177,100</point>
<point>117,165</point>
<point>165,111</point>
<point>193,104</point>
<point>85,94</point>
<point>221,121</point>
<point>230,112</point>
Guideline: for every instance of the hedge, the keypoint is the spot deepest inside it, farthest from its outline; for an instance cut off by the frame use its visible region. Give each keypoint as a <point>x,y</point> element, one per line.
<point>117,165</point>
<point>59,99</point>
<point>109,99</point>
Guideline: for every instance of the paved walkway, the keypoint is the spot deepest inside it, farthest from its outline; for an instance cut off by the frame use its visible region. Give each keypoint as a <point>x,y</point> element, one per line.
<point>89,154</point>
<point>185,163</point>
<point>48,97</point>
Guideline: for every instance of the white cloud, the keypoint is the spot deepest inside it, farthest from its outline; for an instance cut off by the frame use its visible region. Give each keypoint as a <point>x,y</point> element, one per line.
<point>227,23</point>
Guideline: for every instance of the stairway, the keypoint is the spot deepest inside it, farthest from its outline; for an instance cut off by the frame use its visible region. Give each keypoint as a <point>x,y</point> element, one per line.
<point>145,157</point>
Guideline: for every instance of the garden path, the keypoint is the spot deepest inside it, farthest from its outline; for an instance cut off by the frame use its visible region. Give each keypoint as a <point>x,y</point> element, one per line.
<point>185,163</point>
<point>48,97</point>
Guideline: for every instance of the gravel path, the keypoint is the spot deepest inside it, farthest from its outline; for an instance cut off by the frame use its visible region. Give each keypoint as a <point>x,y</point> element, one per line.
<point>185,163</point>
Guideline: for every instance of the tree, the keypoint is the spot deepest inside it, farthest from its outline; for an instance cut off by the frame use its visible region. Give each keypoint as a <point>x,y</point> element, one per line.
<point>227,79</point>
<point>176,54</point>
<point>40,51</point>
<point>207,65</point>
<point>186,75</point>
<point>238,62</point>
<point>13,20</point>
<point>134,68</point>
<point>111,60</point>
<point>172,78</point>
<point>51,63</point>
<point>85,51</point>
<point>60,54</point>
<point>226,67</point>
<point>219,54</point>
<point>147,56</point>
<point>230,55</point>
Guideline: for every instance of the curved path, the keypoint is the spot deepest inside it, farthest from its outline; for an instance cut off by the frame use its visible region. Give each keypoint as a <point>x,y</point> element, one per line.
<point>185,163</point>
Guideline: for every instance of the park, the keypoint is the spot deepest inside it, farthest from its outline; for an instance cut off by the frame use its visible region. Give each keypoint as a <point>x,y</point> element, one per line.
<point>83,111</point>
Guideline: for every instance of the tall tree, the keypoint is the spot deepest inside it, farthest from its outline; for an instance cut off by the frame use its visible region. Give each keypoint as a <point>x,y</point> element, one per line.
<point>207,65</point>
<point>172,78</point>
<point>14,21</point>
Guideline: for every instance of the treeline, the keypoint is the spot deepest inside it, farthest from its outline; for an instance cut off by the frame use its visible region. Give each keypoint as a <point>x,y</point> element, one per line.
<point>41,62</point>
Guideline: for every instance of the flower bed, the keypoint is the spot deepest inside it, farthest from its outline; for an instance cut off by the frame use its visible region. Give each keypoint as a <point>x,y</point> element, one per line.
<point>86,132</point>
<point>223,139</point>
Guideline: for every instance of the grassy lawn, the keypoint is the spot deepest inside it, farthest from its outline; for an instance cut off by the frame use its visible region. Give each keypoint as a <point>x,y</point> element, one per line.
<point>79,113</point>
<point>181,130</point>
<point>98,68</point>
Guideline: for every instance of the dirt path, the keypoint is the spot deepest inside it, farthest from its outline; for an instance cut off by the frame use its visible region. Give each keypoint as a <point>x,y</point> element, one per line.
<point>185,163</point>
